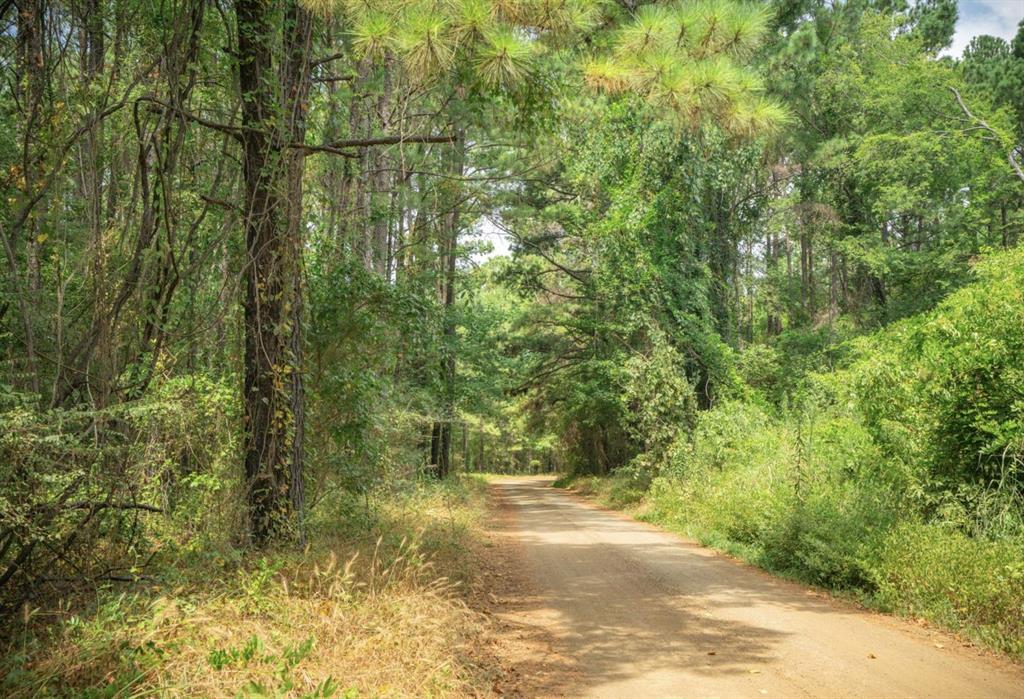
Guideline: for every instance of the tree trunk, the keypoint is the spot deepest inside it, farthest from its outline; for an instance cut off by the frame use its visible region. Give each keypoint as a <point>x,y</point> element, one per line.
<point>773,320</point>
<point>92,59</point>
<point>435,445</point>
<point>877,282</point>
<point>31,69</point>
<point>295,81</point>
<point>273,296</point>
<point>381,182</point>
<point>448,360</point>
<point>807,272</point>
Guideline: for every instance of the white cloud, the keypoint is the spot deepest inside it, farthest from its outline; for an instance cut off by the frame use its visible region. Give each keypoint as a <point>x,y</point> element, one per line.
<point>993,17</point>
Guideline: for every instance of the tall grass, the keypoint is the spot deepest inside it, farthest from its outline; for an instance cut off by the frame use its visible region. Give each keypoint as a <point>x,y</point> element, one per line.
<point>371,608</point>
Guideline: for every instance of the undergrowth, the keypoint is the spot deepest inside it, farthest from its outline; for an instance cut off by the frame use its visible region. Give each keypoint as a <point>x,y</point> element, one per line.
<point>372,607</point>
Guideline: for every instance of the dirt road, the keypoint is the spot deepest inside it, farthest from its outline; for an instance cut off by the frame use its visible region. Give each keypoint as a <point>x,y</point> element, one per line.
<point>617,608</point>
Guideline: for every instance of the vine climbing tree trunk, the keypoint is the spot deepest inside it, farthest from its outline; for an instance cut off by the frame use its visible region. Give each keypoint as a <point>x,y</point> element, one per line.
<point>295,79</point>
<point>272,173</point>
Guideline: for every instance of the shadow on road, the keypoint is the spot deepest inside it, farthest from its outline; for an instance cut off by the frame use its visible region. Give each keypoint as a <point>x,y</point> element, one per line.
<point>639,612</point>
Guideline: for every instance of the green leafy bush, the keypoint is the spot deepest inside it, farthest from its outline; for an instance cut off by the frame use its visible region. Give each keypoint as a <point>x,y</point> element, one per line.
<point>940,573</point>
<point>76,506</point>
<point>953,382</point>
<point>734,472</point>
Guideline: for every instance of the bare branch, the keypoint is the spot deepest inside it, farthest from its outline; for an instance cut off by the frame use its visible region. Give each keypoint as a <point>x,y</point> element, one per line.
<point>85,505</point>
<point>233,131</point>
<point>1011,156</point>
<point>337,147</point>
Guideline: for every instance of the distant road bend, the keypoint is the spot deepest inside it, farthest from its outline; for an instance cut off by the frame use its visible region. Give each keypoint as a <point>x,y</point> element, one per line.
<point>643,613</point>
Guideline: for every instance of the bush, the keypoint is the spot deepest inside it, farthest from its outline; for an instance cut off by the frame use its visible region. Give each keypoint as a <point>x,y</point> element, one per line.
<point>76,507</point>
<point>937,572</point>
<point>808,499</point>
<point>760,367</point>
<point>953,383</point>
<point>732,477</point>
<point>817,499</point>
<point>624,488</point>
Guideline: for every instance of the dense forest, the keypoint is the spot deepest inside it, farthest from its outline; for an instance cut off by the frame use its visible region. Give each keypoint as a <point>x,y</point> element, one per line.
<point>763,272</point>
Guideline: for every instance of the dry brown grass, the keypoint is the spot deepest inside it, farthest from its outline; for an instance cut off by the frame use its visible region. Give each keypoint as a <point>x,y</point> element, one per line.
<point>363,616</point>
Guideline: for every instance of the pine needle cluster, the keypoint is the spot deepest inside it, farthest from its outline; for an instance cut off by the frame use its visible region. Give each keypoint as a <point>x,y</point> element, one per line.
<point>689,59</point>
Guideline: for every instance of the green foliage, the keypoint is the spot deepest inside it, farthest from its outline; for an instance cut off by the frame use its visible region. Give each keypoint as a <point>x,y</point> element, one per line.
<point>953,383</point>
<point>660,402</point>
<point>996,69</point>
<point>956,580</point>
<point>623,489</point>
<point>73,505</point>
<point>686,59</point>
<point>744,282</point>
<point>934,22</point>
<point>912,500</point>
<point>637,314</point>
<point>827,507</point>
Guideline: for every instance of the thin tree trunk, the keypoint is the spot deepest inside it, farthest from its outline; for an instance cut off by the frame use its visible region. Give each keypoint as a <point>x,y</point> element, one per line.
<point>295,81</point>
<point>32,73</point>
<point>807,272</point>
<point>448,361</point>
<point>381,182</point>
<point>92,59</point>
<point>435,446</point>
<point>29,92</point>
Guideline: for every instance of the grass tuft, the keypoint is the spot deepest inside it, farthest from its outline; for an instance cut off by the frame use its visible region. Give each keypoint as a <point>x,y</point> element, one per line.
<point>372,608</point>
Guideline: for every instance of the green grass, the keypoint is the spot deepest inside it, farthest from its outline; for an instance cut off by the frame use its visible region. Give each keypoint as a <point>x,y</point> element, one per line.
<point>616,491</point>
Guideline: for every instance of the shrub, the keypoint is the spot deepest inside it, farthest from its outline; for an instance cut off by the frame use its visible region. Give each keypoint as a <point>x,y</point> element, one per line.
<point>809,499</point>
<point>75,507</point>
<point>953,383</point>
<point>937,572</point>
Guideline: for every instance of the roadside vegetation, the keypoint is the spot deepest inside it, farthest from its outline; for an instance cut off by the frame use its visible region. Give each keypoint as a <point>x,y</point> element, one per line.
<point>896,476</point>
<point>374,605</point>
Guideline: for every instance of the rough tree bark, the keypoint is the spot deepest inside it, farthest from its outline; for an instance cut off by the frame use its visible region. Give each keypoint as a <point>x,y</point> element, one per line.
<point>272,174</point>
<point>295,79</point>
<point>31,71</point>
